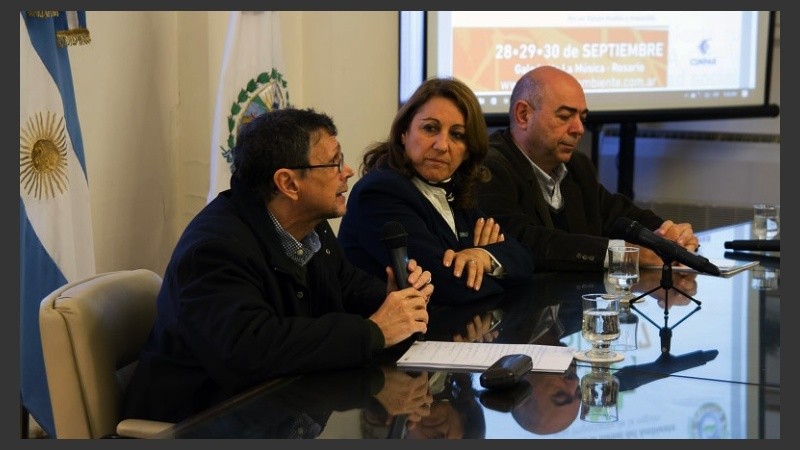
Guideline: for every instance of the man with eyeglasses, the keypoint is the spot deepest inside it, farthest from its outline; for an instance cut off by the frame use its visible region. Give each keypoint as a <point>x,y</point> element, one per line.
<point>257,286</point>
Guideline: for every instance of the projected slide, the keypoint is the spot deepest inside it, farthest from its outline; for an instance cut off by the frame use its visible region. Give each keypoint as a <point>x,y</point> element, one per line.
<point>625,60</point>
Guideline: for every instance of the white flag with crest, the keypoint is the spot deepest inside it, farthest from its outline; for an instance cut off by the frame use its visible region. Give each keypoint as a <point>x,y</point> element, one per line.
<point>250,83</point>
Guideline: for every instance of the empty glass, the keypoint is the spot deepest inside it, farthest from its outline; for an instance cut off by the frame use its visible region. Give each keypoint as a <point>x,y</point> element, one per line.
<point>628,329</point>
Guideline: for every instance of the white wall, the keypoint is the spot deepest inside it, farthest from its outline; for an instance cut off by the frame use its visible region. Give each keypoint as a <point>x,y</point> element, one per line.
<point>145,90</point>
<point>126,88</point>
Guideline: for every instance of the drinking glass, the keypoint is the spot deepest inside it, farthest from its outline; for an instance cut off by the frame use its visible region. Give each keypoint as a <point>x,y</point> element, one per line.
<point>599,391</point>
<point>600,326</point>
<point>766,221</point>
<point>623,270</point>
<point>628,329</point>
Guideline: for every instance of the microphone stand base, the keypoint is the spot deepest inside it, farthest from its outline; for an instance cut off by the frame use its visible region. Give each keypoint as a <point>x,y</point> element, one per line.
<point>665,332</point>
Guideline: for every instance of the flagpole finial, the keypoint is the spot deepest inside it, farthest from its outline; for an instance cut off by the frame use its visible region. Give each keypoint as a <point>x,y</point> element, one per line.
<point>77,36</point>
<point>76,32</point>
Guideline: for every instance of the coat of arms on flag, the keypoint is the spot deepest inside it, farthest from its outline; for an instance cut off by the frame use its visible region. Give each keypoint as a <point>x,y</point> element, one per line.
<point>266,92</point>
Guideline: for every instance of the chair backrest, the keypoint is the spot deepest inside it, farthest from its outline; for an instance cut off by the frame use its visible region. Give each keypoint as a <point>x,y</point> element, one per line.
<point>92,331</point>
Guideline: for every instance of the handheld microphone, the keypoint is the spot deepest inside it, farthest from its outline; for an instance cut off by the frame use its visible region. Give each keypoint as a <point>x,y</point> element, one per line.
<point>395,238</point>
<point>398,427</point>
<point>669,251</point>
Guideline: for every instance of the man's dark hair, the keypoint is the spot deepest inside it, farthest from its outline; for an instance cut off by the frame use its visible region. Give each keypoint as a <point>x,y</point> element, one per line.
<point>274,140</point>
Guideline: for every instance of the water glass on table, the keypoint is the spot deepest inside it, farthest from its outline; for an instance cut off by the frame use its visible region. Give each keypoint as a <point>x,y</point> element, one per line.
<point>766,221</point>
<point>600,327</point>
<point>623,270</point>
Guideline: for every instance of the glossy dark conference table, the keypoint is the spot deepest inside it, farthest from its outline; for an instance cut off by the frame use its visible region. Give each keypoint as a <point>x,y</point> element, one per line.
<point>717,376</point>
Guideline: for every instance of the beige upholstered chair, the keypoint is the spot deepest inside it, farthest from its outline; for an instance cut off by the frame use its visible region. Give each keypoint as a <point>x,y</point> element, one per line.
<point>92,331</point>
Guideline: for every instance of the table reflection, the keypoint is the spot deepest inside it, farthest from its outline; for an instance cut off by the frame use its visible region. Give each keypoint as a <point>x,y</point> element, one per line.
<point>455,412</point>
<point>720,377</point>
<point>553,402</point>
<point>599,395</point>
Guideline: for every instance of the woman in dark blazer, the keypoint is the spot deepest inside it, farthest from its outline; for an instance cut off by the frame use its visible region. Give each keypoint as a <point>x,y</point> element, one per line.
<point>424,176</point>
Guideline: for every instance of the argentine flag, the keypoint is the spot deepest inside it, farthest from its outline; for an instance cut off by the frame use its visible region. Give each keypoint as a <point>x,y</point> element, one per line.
<point>55,222</point>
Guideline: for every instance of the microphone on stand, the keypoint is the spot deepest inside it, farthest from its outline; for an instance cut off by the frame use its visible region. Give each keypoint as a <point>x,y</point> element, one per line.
<point>395,238</point>
<point>759,245</point>
<point>669,251</point>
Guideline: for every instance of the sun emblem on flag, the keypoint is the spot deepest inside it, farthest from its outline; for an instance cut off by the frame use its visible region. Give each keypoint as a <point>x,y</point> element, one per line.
<point>266,92</point>
<point>43,156</point>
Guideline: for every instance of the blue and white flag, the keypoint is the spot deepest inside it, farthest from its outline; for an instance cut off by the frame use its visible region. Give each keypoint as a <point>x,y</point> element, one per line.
<point>56,245</point>
<point>250,83</point>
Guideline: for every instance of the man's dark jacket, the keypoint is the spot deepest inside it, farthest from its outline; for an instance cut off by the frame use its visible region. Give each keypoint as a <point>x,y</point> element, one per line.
<point>234,310</point>
<point>513,198</point>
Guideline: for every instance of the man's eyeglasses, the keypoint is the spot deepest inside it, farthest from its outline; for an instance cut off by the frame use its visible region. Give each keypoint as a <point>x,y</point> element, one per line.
<point>339,166</point>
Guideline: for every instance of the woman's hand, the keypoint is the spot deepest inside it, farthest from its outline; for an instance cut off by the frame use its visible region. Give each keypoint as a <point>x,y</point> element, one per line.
<point>472,261</point>
<point>486,232</point>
